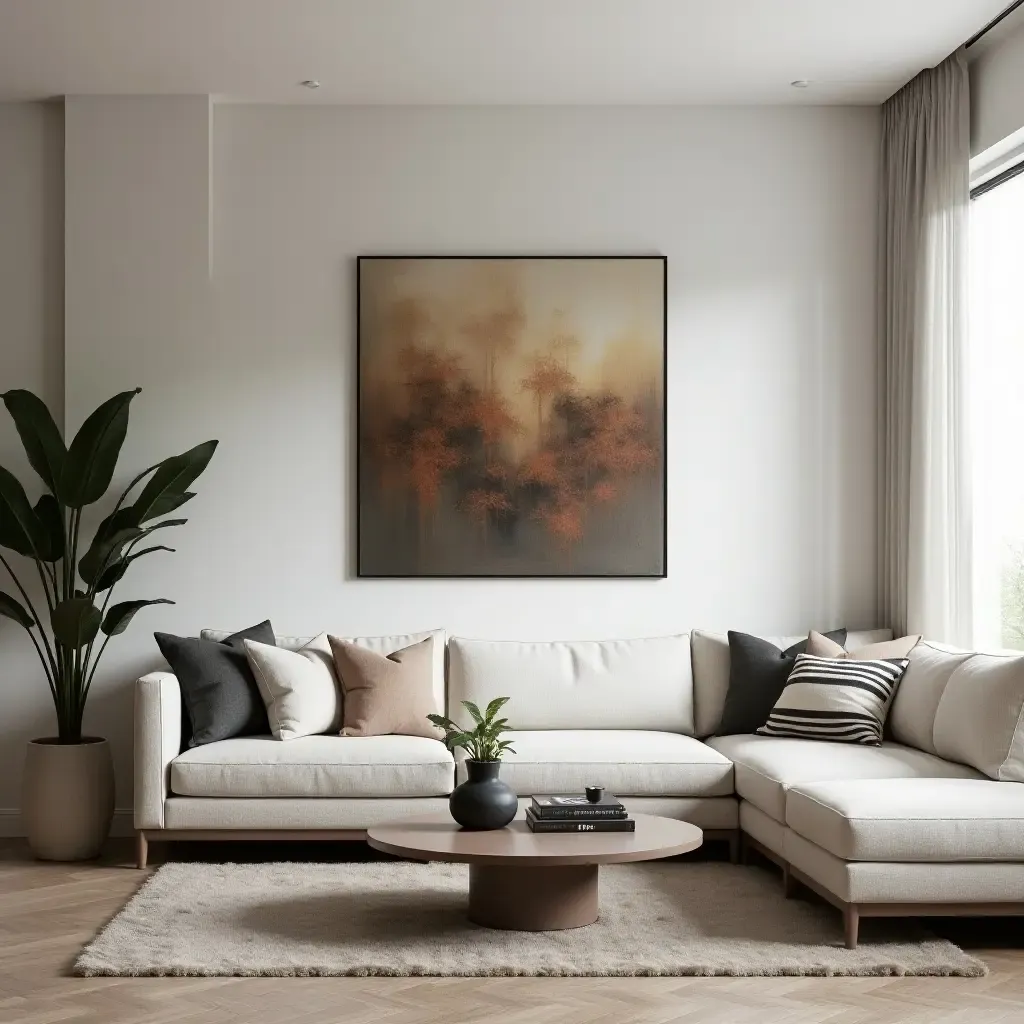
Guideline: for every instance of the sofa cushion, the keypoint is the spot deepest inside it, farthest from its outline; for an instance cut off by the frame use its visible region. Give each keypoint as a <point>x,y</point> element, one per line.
<point>911,819</point>
<point>841,700</point>
<point>315,766</point>
<point>380,644</point>
<point>609,684</point>
<point>625,762</point>
<point>299,688</point>
<point>758,673</point>
<point>766,767</point>
<point>979,717</point>
<point>219,694</point>
<point>820,646</point>
<point>389,694</point>
<point>711,664</point>
<point>912,717</point>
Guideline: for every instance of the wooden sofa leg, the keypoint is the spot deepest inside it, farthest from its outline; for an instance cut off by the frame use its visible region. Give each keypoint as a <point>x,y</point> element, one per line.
<point>851,924</point>
<point>734,847</point>
<point>788,882</point>
<point>141,849</point>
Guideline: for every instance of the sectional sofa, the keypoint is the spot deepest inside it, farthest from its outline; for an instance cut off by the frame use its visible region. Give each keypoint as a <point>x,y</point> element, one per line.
<point>930,822</point>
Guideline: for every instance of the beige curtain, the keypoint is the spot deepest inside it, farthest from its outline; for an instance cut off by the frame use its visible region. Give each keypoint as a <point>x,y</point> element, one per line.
<point>925,578</point>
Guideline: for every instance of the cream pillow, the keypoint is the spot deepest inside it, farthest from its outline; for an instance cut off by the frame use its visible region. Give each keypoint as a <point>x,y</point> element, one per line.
<point>980,717</point>
<point>299,688</point>
<point>822,647</point>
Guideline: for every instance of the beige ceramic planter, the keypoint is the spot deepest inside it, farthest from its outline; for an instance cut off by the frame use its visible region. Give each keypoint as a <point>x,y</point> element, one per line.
<point>67,798</point>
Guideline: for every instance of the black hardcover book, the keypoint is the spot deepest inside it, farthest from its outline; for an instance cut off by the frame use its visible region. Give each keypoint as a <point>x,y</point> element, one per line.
<point>570,806</point>
<point>592,825</point>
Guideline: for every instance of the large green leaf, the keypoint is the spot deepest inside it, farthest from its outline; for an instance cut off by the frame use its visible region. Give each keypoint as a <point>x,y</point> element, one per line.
<point>75,622</point>
<point>20,528</point>
<point>116,570</point>
<point>12,609</point>
<point>92,457</point>
<point>166,487</point>
<point>474,711</point>
<point>51,520</point>
<point>494,707</point>
<point>39,434</point>
<point>105,551</point>
<point>119,615</point>
<point>122,519</point>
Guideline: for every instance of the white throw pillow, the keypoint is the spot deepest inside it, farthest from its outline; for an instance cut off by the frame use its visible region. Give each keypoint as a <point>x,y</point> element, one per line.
<point>299,688</point>
<point>843,700</point>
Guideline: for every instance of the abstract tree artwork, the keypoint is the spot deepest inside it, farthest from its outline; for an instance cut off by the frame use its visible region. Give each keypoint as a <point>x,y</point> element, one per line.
<point>511,416</point>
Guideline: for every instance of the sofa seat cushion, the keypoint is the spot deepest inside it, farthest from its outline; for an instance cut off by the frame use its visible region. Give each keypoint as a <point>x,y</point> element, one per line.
<point>911,819</point>
<point>767,766</point>
<point>625,762</point>
<point>315,766</point>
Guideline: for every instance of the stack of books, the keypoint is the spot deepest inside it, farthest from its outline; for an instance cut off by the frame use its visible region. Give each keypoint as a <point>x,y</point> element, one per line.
<point>575,813</point>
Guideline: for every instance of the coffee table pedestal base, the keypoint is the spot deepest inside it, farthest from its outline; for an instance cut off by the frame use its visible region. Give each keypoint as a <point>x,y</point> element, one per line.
<point>533,899</point>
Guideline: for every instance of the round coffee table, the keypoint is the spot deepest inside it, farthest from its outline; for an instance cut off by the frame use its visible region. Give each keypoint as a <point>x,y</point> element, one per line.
<point>533,882</point>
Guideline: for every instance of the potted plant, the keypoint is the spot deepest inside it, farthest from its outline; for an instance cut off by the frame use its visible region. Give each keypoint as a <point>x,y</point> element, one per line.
<point>68,782</point>
<point>483,801</point>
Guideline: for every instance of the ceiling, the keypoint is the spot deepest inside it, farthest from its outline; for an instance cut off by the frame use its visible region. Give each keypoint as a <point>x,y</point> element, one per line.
<point>481,51</point>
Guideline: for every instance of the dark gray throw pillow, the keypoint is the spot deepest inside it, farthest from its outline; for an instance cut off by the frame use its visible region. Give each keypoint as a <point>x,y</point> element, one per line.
<point>758,671</point>
<point>219,695</point>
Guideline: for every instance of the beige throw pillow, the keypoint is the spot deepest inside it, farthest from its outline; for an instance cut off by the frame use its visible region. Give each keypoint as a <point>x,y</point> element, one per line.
<point>822,647</point>
<point>299,687</point>
<point>386,694</point>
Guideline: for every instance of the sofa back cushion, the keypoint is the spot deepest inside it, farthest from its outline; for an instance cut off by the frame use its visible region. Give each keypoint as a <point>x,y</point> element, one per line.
<point>912,718</point>
<point>710,656</point>
<point>978,720</point>
<point>608,684</point>
<point>381,644</point>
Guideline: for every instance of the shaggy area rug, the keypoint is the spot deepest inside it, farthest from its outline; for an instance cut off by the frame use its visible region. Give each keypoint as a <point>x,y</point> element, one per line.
<point>402,919</point>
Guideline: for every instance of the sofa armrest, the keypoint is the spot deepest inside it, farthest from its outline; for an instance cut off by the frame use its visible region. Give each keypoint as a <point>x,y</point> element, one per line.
<point>157,743</point>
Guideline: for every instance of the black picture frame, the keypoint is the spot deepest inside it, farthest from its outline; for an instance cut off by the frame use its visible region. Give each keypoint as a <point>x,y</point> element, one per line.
<point>362,572</point>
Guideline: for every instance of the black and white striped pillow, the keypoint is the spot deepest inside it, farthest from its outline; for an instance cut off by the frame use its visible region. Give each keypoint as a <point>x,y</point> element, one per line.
<point>838,699</point>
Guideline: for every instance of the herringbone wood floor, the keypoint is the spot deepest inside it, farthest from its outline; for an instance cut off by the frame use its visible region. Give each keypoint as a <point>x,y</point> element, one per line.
<point>47,911</point>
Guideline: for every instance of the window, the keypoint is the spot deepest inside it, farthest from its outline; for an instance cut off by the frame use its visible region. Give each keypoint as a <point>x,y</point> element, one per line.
<point>997,410</point>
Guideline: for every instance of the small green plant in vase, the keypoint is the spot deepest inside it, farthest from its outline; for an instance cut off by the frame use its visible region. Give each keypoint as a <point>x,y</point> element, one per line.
<point>483,801</point>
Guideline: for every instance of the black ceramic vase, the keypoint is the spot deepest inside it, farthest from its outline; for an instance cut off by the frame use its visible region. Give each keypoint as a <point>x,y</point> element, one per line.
<point>483,801</point>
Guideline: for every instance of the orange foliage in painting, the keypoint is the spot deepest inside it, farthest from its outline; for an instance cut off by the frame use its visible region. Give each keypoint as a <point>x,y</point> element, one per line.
<point>547,379</point>
<point>430,457</point>
<point>564,520</point>
<point>490,413</point>
<point>541,467</point>
<point>444,434</point>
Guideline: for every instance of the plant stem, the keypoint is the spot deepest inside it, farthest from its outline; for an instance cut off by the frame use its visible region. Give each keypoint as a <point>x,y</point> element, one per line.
<point>67,552</point>
<point>96,661</point>
<point>76,519</point>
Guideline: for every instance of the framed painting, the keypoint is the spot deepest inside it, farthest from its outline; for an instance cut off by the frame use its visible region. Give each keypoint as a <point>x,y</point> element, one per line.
<point>511,416</point>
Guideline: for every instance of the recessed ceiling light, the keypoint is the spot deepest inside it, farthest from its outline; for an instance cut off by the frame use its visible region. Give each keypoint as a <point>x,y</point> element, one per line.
<point>800,83</point>
<point>310,83</point>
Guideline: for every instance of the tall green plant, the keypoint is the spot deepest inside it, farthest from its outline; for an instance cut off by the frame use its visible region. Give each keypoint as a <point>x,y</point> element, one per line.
<point>483,742</point>
<point>77,582</point>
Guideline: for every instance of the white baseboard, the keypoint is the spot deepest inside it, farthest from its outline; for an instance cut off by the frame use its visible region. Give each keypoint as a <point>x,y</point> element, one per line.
<point>11,828</point>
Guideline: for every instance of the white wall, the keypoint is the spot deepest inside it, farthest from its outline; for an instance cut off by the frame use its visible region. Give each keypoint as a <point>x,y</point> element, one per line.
<point>997,86</point>
<point>767,219</point>
<point>31,356</point>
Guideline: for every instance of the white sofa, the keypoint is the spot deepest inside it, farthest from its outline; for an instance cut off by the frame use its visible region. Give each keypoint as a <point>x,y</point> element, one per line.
<point>920,825</point>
